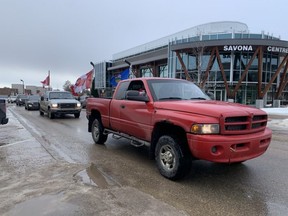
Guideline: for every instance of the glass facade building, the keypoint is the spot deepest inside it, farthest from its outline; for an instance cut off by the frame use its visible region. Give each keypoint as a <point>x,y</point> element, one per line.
<point>222,57</point>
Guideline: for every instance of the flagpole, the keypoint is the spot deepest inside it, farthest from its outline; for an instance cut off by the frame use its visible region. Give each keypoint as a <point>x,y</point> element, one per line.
<point>49,80</point>
<point>93,77</point>
<point>130,66</point>
<point>93,74</point>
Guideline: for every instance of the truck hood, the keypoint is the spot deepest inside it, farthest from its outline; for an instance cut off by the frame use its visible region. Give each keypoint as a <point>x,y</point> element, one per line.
<point>209,108</point>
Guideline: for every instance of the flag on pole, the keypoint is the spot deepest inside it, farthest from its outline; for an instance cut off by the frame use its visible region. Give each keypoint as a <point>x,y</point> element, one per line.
<point>82,83</point>
<point>46,82</point>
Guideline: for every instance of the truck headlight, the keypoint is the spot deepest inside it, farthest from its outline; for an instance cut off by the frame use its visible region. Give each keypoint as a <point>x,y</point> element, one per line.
<point>205,129</point>
<point>78,105</point>
<point>54,105</point>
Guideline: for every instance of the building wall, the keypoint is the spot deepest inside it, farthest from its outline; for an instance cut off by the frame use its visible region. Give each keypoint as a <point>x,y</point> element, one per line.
<point>186,55</point>
<point>19,87</point>
<point>8,91</point>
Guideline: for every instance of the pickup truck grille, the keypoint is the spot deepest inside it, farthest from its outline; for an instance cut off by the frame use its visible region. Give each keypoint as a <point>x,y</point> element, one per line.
<point>243,124</point>
<point>67,105</point>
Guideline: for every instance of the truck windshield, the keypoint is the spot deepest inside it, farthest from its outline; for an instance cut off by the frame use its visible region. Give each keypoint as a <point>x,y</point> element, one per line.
<point>34,97</point>
<point>60,95</point>
<point>173,89</point>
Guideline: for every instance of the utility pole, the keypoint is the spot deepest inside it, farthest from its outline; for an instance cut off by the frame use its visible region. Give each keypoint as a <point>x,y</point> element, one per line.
<point>23,86</point>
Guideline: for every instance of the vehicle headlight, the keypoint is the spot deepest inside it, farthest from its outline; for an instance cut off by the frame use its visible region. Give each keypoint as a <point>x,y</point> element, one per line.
<point>205,129</point>
<point>54,105</point>
<point>78,105</point>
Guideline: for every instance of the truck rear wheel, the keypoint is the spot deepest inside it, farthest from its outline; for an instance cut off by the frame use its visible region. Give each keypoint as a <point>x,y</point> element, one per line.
<point>172,160</point>
<point>97,132</point>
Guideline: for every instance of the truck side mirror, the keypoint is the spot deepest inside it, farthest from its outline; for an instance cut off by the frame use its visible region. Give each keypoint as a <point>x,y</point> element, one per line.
<point>42,98</point>
<point>136,95</point>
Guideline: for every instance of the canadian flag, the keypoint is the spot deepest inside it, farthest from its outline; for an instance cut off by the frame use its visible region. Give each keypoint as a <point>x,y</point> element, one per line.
<point>46,82</point>
<point>83,82</point>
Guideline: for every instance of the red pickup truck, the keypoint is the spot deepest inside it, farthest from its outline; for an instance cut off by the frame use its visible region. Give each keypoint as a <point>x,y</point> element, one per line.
<point>178,122</point>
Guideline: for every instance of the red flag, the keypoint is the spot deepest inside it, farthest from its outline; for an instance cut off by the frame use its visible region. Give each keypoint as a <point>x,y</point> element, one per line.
<point>72,88</point>
<point>83,82</point>
<point>46,82</point>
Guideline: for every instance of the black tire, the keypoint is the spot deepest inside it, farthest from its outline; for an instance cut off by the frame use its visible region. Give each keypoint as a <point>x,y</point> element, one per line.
<point>77,115</point>
<point>97,132</point>
<point>172,159</point>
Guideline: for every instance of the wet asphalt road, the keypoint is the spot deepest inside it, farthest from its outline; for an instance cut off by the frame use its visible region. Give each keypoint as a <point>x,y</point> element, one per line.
<point>256,187</point>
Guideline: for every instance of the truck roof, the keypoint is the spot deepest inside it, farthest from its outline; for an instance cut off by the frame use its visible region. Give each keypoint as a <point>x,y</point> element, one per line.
<point>152,78</point>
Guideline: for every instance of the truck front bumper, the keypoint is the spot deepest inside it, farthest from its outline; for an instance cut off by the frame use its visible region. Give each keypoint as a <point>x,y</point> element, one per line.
<point>229,149</point>
<point>65,111</point>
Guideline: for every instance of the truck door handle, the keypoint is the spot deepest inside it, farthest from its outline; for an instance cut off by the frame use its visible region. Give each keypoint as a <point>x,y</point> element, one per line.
<point>122,106</point>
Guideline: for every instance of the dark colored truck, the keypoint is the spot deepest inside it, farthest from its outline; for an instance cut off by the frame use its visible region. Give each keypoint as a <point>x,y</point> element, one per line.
<point>3,119</point>
<point>179,123</point>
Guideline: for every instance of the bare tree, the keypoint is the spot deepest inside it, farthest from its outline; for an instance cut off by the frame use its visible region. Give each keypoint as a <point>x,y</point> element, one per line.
<point>67,86</point>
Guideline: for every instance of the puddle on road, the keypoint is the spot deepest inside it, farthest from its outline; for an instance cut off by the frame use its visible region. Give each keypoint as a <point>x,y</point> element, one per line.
<point>93,176</point>
<point>44,205</point>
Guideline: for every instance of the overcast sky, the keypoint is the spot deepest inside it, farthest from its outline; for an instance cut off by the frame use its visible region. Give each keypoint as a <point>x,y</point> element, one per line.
<point>63,36</point>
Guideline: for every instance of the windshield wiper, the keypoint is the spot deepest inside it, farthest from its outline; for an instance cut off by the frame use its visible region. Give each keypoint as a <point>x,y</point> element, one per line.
<point>171,98</point>
<point>198,98</point>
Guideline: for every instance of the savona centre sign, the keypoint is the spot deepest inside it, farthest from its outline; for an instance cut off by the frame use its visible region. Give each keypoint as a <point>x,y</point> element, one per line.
<point>229,48</point>
<point>238,48</point>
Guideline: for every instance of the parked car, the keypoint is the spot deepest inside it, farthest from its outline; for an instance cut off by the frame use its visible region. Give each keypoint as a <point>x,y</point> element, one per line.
<point>3,118</point>
<point>11,99</point>
<point>20,99</point>
<point>32,103</point>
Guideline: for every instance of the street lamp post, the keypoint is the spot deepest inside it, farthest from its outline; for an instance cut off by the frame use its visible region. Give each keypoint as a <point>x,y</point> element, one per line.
<point>23,86</point>
<point>93,91</point>
<point>130,66</point>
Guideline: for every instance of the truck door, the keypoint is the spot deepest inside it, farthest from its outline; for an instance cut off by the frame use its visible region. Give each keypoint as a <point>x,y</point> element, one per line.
<point>135,116</point>
<point>43,102</point>
<point>115,106</point>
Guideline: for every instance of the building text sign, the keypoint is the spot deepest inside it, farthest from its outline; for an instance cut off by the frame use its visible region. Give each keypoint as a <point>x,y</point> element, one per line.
<point>230,48</point>
<point>238,48</point>
<point>277,49</point>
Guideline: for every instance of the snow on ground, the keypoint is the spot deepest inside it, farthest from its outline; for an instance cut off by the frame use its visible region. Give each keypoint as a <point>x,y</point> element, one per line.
<point>282,117</point>
<point>276,111</point>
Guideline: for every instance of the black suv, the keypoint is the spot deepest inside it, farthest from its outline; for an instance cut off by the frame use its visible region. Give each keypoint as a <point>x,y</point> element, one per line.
<point>20,99</point>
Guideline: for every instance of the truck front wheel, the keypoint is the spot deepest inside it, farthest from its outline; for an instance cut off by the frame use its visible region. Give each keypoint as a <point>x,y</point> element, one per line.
<point>97,132</point>
<point>172,160</point>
